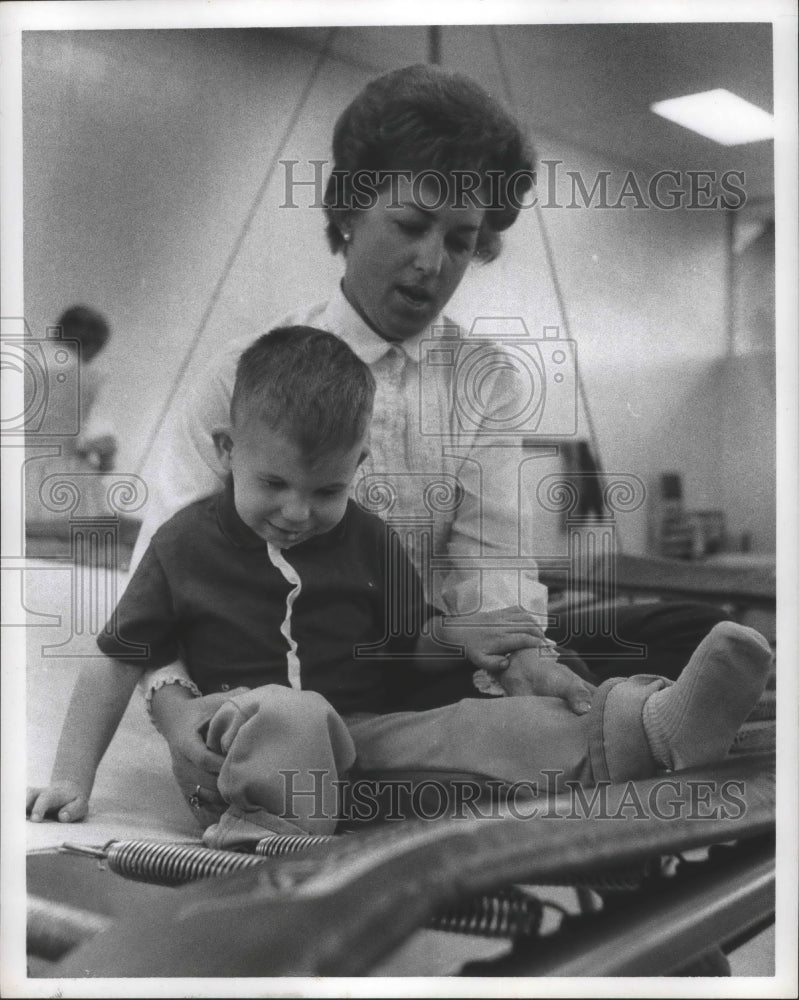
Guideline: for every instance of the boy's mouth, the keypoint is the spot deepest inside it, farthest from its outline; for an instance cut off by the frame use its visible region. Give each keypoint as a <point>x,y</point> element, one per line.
<point>285,534</point>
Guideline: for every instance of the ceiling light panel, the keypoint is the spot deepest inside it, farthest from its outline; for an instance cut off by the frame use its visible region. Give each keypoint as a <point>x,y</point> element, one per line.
<point>719,115</point>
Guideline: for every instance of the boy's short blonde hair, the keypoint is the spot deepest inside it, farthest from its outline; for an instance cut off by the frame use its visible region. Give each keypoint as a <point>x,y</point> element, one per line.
<point>307,384</point>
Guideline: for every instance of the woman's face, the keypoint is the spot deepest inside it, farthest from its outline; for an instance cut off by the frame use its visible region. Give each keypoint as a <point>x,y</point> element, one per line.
<point>405,260</point>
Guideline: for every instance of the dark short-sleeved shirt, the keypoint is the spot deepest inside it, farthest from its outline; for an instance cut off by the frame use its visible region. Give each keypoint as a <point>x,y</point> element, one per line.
<point>240,612</point>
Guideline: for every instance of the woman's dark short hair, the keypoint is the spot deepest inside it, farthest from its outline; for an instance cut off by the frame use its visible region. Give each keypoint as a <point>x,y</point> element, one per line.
<point>88,326</point>
<point>309,385</point>
<point>421,118</point>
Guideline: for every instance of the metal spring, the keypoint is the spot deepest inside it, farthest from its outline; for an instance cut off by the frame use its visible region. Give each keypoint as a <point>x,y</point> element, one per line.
<point>173,864</point>
<point>505,914</point>
<point>282,844</point>
<point>177,864</point>
<point>621,880</point>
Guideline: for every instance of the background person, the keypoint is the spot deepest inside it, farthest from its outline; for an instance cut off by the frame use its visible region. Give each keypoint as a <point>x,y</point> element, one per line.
<point>94,447</point>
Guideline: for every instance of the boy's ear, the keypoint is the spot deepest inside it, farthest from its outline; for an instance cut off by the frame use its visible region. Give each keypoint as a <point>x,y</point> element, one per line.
<point>223,442</point>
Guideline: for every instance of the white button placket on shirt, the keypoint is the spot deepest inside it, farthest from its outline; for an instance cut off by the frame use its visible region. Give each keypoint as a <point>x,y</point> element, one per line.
<point>290,575</point>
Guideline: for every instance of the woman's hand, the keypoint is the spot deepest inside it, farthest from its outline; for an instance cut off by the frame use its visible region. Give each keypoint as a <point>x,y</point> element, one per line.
<point>68,799</point>
<point>539,672</point>
<point>489,637</point>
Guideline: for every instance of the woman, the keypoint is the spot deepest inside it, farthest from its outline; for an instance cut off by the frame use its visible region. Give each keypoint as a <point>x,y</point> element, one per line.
<point>428,172</point>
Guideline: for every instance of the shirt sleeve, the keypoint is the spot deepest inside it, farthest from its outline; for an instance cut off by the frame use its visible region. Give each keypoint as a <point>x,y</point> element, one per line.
<point>143,630</point>
<point>487,524</point>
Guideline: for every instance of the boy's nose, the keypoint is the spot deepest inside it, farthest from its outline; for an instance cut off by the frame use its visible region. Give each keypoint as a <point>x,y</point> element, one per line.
<point>296,510</point>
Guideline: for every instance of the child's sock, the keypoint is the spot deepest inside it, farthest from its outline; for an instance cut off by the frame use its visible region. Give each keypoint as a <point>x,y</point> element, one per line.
<point>694,720</point>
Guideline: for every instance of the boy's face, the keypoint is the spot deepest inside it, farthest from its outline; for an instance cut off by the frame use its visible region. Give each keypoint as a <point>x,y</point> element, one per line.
<point>278,494</point>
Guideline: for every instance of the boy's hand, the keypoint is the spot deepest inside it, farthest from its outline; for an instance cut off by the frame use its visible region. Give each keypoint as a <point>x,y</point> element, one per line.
<point>490,636</point>
<point>538,672</point>
<point>194,766</point>
<point>184,730</point>
<point>66,798</point>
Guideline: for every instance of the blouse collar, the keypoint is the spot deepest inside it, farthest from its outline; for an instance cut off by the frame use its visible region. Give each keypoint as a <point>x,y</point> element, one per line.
<point>343,320</point>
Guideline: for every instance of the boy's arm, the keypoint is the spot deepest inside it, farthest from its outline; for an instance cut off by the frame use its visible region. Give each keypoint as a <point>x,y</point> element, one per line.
<point>99,699</point>
<point>186,468</point>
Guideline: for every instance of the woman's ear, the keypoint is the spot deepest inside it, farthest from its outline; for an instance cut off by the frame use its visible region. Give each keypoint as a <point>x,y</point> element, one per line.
<point>367,451</point>
<point>223,442</point>
<point>345,227</point>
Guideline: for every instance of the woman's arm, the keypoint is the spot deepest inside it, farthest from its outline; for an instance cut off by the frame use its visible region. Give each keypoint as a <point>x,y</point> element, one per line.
<point>492,522</point>
<point>487,640</point>
<point>491,530</point>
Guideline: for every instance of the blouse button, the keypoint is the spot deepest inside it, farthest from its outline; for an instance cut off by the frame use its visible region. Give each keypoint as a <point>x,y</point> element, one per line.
<point>224,687</point>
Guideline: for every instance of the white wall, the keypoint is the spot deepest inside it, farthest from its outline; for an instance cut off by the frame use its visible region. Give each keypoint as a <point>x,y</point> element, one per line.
<point>144,152</point>
<point>644,290</point>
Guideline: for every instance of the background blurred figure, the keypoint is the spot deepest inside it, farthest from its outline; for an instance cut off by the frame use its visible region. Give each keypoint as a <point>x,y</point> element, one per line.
<point>85,333</point>
<point>96,444</point>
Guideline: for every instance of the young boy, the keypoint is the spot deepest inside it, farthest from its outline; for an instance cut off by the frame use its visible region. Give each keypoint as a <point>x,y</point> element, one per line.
<point>279,594</point>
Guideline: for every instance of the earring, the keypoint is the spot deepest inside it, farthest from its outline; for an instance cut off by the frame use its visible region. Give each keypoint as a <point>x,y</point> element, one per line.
<point>346,236</point>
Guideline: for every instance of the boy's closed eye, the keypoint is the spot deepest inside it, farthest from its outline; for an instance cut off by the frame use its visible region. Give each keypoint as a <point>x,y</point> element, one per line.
<point>273,483</point>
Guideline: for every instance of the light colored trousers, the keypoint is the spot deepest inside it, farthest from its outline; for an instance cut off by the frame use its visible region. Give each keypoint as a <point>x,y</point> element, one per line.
<point>287,752</point>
